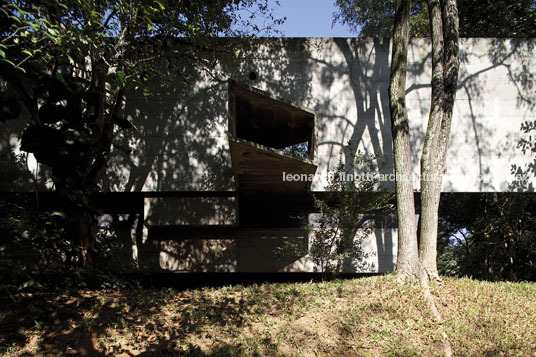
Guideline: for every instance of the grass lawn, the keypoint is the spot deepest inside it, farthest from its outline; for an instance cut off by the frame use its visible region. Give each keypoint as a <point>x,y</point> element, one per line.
<point>372,316</point>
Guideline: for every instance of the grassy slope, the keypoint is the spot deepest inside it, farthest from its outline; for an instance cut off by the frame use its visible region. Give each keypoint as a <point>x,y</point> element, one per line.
<point>367,317</point>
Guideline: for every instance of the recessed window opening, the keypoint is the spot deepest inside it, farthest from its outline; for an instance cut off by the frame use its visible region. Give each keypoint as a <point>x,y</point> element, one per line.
<point>261,119</point>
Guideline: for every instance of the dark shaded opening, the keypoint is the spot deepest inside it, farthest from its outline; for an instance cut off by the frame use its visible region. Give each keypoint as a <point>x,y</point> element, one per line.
<point>264,120</point>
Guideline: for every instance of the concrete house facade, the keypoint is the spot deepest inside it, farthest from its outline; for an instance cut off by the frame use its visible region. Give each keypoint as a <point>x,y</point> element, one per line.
<point>202,183</point>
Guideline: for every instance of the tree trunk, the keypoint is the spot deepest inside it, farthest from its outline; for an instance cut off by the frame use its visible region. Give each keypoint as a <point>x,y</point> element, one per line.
<point>80,220</point>
<point>81,224</point>
<point>408,265</point>
<point>444,26</point>
<point>430,189</point>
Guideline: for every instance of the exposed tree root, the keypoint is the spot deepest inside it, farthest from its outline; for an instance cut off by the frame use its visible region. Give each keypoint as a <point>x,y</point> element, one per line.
<point>433,275</point>
<point>424,277</point>
<point>414,272</point>
<point>447,348</point>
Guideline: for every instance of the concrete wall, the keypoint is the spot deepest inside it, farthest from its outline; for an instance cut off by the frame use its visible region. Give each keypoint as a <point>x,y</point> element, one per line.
<point>184,146</point>
<point>345,82</point>
<point>181,143</point>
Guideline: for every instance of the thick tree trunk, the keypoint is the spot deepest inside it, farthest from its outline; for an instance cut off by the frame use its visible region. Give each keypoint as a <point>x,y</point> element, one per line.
<point>408,265</point>
<point>77,185</point>
<point>444,23</point>
<point>80,222</point>
<point>81,225</point>
<point>430,188</point>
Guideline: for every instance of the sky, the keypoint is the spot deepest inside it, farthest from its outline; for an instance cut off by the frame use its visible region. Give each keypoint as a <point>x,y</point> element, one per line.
<point>309,18</point>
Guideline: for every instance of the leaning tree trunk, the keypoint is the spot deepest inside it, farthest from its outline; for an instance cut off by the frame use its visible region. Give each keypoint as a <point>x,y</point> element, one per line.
<point>444,26</point>
<point>408,265</point>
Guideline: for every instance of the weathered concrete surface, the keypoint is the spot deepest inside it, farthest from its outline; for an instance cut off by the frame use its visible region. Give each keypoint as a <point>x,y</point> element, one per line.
<point>182,139</point>
<point>184,145</point>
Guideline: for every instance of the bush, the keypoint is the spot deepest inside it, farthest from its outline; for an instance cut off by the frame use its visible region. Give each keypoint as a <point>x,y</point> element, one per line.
<point>345,218</point>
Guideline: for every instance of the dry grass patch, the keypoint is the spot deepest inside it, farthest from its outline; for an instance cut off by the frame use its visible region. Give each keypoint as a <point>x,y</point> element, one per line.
<point>488,319</point>
<point>364,317</point>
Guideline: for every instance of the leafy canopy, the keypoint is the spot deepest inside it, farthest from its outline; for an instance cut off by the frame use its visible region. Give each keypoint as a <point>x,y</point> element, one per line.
<point>477,18</point>
<point>68,64</point>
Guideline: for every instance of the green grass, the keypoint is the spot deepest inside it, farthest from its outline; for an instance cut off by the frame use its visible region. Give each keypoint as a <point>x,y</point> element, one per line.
<point>364,317</point>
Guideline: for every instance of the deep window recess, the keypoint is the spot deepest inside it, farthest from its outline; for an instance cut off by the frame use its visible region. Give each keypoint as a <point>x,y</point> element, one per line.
<point>261,119</point>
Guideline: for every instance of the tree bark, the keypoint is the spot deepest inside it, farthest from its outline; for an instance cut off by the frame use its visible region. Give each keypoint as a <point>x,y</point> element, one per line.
<point>444,26</point>
<point>80,228</point>
<point>408,265</point>
<point>430,190</point>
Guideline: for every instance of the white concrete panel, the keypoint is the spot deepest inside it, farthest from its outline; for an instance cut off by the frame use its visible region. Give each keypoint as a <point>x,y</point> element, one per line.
<point>181,138</point>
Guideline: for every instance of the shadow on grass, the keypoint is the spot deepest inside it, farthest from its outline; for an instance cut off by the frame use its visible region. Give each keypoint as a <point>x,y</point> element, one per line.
<point>144,322</point>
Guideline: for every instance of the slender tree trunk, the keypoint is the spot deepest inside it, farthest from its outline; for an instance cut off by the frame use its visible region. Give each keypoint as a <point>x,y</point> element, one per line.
<point>430,190</point>
<point>444,26</point>
<point>449,12</point>
<point>408,265</point>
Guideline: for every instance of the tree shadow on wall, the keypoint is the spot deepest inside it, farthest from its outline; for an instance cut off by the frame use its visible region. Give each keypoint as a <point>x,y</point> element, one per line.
<point>360,125</point>
<point>521,72</point>
<point>364,119</point>
<point>180,144</point>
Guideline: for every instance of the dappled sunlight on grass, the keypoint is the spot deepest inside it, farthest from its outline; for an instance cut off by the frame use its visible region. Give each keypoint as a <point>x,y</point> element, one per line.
<point>365,317</point>
<point>489,319</point>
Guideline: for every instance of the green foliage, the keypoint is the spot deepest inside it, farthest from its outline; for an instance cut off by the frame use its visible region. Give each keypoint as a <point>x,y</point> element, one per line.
<point>497,18</point>
<point>290,250</point>
<point>342,222</point>
<point>69,64</point>
<point>300,151</point>
<point>477,18</point>
<point>34,245</point>
<point>488,236</point>
<point>29,236</point>
<point>66,65</point>
<point>14,176</point>
<point>30,242</point>
<point>370,18</point>
<point>110,258</point>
